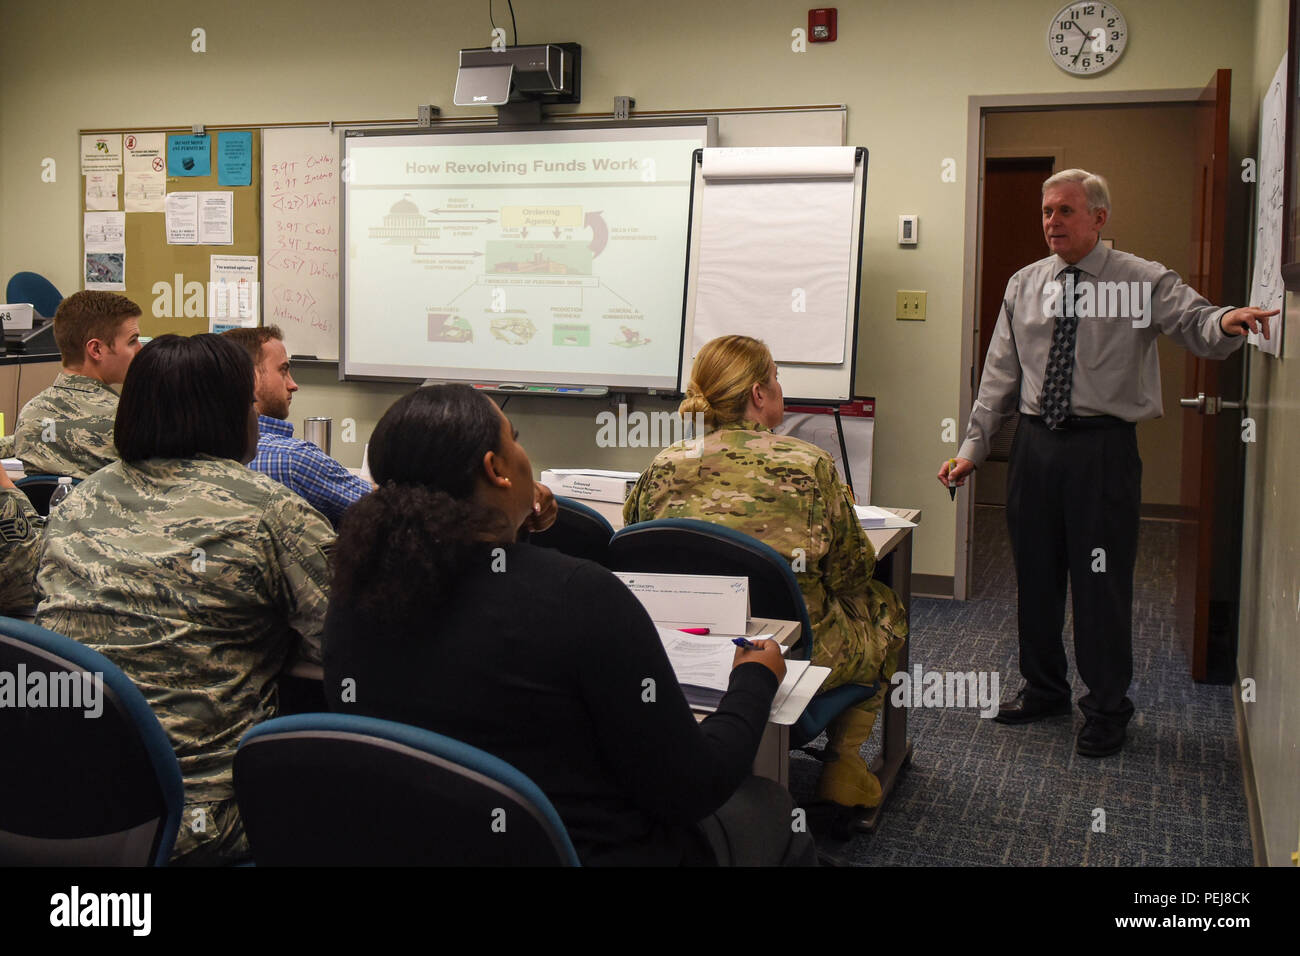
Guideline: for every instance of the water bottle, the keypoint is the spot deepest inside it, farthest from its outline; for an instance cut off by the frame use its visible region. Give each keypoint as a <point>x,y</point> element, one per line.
<point>317,431</point>
<point>62,491</point>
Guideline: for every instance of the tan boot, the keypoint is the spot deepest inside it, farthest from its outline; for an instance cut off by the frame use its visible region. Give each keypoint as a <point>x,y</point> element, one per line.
<point>845,779</point>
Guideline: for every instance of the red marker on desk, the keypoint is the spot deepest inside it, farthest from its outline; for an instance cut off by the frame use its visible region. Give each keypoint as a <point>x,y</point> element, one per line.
<point>694,630</point>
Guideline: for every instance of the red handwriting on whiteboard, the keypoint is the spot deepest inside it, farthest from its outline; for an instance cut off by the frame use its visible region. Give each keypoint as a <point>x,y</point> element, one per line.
<point>291,201</point>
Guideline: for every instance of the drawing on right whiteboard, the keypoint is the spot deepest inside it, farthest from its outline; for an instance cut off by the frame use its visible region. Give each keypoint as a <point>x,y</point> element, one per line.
<point>1266,289</point>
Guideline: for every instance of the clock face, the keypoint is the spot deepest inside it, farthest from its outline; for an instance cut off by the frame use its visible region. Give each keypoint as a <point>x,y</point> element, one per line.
<point>1087,38</point>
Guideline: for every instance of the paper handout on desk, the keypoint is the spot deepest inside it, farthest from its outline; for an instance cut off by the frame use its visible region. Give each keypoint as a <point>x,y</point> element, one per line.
<point>702,664</point>
<point>692,600</point>
<point>872,517</point>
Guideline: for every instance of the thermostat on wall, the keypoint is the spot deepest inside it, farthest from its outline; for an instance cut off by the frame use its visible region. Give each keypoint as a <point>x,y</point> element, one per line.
<point>907,230</point>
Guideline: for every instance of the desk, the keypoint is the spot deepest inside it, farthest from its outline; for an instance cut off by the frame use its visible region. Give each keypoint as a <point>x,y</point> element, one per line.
<point>894,568</point>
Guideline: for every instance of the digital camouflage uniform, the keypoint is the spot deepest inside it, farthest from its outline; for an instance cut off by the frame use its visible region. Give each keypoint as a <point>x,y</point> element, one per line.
<point>190,575</point>
<point>21,532</point>
<point>6,446</point>
<point>786,493</point>
<point>82,411</point>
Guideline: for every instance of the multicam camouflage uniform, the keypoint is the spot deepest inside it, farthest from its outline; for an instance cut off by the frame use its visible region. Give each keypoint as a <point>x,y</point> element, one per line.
<point>786,493</point>
<point>22,531</point>
<point>189,575</point>
<point>76,414</point>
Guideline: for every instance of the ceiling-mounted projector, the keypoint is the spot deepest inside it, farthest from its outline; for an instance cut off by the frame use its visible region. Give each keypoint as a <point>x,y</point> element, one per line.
<point>542,73</point>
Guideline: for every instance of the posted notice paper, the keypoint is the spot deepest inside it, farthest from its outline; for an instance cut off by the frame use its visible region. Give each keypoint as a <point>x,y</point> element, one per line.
<point>144,191</point>
<point>145,184</point>
<point>182,220</point>
<point>216,218</point>
<point>232,293</point>
<point>189,155</point>
<point>101,153</point>
<point>101,191</point>
<point>235,158</point>
<point>104,238</point>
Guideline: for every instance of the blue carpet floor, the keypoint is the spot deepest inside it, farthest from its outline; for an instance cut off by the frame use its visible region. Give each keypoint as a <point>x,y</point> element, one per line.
<point>981,793</point>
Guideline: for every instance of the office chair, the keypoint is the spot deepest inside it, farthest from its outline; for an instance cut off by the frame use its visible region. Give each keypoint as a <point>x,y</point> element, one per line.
<point>75,789</point>
<point>39,488</point>
<point>690,546</point>
<point>343,790</point>
<point>579,530</point>
<point>34,288</point>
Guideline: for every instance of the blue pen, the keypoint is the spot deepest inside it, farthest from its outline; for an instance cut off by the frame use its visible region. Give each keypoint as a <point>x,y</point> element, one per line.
<point>743,642</point>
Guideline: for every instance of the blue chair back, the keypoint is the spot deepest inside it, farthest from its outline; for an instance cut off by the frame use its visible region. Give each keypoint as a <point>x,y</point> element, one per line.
<point>690,546</point>
<point>34,288</point>
<point>39,488</point>
<point>78,789</point>
<point>580,531</point>
<point>344,790</point>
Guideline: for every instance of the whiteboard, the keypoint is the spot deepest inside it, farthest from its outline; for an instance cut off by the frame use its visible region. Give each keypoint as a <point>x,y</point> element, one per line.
<point>300,238</point>
<point>303,299</point>
<point>1267,290</point>
<point>775,252</point>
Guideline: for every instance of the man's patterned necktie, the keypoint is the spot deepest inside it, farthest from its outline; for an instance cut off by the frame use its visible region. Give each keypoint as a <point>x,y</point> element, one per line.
<point>1055,399</point>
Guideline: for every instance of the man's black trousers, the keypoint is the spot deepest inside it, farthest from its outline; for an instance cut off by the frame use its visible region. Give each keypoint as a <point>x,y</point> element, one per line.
<point>1073,498</point>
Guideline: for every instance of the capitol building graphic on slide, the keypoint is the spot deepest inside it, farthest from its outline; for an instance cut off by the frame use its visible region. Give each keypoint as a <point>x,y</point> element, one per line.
<point>404,221</point>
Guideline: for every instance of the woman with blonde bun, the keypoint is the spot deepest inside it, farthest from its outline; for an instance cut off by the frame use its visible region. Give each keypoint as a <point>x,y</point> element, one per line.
<point>786,493</point>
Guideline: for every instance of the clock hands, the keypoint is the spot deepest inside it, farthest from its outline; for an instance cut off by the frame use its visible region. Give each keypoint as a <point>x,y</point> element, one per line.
<point>1086,37</point>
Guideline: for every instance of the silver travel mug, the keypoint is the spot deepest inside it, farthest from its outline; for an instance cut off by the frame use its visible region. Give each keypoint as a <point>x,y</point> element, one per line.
<point>317,431</point>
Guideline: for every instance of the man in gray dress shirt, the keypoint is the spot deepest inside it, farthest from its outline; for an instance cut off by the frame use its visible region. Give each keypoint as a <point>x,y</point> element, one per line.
<point>1074,350</point>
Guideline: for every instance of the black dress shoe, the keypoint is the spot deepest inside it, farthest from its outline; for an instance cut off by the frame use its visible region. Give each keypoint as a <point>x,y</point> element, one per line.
<point>1025,709</point>
<point>1099,738</point>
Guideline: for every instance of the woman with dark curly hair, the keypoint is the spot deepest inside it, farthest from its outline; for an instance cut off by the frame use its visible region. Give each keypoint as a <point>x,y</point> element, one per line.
<point>441,619</point>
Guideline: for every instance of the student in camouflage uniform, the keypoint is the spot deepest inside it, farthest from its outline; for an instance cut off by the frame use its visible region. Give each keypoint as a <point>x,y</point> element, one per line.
<point>67,429</point>
<point>786,493</point>
<point>189,571</point>
<point>21,532</point>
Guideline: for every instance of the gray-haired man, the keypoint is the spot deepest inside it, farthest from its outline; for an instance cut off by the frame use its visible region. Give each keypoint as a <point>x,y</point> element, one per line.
<point>1075,350</point>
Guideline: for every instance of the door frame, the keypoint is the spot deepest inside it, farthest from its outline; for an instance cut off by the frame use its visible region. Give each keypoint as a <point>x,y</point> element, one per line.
<point>977,108</point>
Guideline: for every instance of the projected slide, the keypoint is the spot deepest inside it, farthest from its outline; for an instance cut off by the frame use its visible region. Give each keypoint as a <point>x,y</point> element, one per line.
<point>554,260</point>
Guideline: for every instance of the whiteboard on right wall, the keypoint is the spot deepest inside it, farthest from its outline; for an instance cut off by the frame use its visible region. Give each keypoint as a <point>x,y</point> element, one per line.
<point>1266,288</point>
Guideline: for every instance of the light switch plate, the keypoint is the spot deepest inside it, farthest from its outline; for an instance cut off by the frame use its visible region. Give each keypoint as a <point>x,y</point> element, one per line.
<point>910,306</point>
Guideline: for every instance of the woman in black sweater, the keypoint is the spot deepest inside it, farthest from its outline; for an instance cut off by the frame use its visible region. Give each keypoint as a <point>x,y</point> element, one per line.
<point>443,620</point>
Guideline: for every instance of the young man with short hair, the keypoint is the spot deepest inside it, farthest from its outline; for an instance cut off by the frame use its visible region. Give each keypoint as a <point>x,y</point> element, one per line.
<point>300,465</point>
<point>67,429</point>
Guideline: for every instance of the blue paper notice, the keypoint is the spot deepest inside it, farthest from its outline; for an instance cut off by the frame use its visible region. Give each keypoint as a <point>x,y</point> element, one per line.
<point>235,158</point>
<point>189,156</point>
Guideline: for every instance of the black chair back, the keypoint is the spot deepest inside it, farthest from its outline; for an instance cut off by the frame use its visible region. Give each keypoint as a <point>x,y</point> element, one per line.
<point>93,781</point>
<point>344,790</point>
<point>579,531</point>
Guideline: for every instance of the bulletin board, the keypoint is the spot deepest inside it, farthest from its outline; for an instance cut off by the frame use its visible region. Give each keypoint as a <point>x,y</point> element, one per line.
<point>151,260</point>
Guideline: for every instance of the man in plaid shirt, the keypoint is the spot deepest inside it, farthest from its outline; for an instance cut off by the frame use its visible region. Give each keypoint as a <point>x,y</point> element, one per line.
<point>298,464</point>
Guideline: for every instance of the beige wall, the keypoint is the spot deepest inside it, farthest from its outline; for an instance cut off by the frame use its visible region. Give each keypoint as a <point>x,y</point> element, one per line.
<point>1145,154</point>
<point>903,69</point>
<point>1269,649</point>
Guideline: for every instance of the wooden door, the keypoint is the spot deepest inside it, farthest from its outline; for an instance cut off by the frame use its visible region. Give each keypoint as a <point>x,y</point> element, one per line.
<point>1209,551</point>
<point>1013,233</point>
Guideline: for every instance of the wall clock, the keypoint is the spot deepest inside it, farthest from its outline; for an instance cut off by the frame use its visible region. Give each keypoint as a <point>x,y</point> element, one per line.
<point>1087,38</point>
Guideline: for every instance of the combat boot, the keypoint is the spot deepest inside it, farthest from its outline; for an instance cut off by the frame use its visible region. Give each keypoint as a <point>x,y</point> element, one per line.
<point>845,779</point>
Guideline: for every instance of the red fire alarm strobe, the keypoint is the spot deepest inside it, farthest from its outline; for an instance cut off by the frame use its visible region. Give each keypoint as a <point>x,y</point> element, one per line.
<point>821,25</point>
